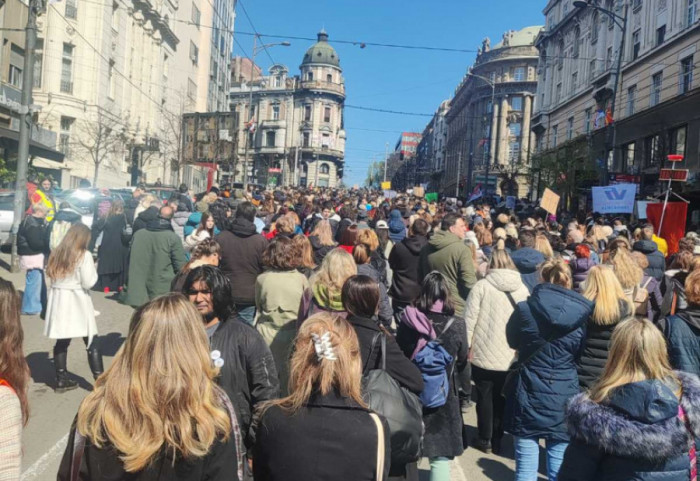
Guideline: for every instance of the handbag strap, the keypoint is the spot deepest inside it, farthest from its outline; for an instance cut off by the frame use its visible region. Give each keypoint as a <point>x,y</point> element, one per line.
<point>692,453</point>
<point>77,459</point>
<point>380,446</point>
<point>447,326</point>
<point>235,430</point>
<point>512,301</point>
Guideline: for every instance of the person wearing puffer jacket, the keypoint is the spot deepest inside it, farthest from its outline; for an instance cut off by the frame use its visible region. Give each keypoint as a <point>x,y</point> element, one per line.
<point>397,228</point>
<point>490,304</point>
<point>657,261</point>
<point>641,430</point>
<point>581,265</point>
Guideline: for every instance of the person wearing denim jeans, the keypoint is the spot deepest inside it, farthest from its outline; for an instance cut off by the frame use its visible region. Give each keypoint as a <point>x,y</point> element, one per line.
<point>440,468</point>
<point>32,247</point>
<point>34,298</point>
<point>527,458</point>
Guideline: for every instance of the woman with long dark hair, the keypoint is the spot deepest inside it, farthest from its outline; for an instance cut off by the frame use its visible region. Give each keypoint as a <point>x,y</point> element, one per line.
<point>70,312</point>
<point>113,253</point>
<point>205,230</point>
<point>431,316</point>
<point>14,381</point>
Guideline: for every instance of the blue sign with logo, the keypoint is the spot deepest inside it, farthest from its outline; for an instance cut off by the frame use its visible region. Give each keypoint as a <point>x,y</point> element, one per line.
<point>614,199</point>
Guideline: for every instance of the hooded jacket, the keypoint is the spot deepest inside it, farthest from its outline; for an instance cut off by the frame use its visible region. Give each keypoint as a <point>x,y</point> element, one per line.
<point>635,434</point>
<point>180,219</point>
<point>526,259</point>
<point>397,228</point>
<point>64,220</point>
<point>404,262</point>
<point>241,258</point>
<point>657,261</point>
<point>548,333</point>
<point>487,314</point>
<point>580,268</point>
<point>682,332</point>
<point>596,348</point>
<point>31,237</point>
<point>447,253</point>
<point>144,218</point>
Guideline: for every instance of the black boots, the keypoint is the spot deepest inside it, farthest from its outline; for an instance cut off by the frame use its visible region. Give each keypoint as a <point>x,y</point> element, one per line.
<point>95,361</point>
<point>63,382</point>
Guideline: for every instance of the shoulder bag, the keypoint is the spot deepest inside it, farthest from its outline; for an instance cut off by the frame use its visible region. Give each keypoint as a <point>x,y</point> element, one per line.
<point>401,408</point>
<point>127,232</point>
<point>380,446</point>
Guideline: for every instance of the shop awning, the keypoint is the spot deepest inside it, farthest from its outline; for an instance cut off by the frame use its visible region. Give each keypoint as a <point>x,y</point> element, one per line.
<point>9,139</point>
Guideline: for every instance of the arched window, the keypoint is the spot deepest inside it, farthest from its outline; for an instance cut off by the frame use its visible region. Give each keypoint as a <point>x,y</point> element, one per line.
<point>329,78</point>
<point>310,76</point>
<point>324,169</point>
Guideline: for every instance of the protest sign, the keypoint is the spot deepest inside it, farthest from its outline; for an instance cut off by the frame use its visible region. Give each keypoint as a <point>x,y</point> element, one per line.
<point>614,199</point>
<point>389,194</point>
<point>418,191</point>
<point>431,197</point>
<point>550,201</point>
<point>386,185</point>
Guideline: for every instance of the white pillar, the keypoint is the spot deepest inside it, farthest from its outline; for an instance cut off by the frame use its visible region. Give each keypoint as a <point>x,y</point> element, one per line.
<point>525,134</point>
<point>503,132</point>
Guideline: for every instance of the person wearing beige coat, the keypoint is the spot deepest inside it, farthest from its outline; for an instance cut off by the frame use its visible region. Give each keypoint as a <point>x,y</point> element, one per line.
<point>490,305</point>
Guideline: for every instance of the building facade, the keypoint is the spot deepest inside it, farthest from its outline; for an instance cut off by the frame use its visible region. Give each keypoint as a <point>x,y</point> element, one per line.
<point>430,155</point>
<point>402,165</point>
<point>657,99</point>
<point>295,133</point>
<point>488,124</point>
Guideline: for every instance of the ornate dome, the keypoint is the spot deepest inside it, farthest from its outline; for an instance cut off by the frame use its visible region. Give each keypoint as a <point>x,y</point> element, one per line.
<point>321,52</point>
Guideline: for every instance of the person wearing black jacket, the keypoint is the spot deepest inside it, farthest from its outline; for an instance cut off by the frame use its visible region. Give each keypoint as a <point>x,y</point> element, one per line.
<point>144,218</point>
<point>241,258</point>
<point>682,330</point>
<point>248,373</point>
<point>360,296</point>
<point>130,205</point>
<point>657,261</point>
<point>32,247</point>
<point>184,201</point>
<point>404,263</point>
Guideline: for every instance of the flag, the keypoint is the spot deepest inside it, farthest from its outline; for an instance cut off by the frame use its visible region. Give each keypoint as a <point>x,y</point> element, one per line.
<point>431,197</point>
<point>608,117</point>
<point>251,125</point>
<point>674,222</point>
<point>599,119</point>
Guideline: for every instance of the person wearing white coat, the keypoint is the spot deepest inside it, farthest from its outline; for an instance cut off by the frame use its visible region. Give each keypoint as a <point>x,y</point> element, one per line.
<point>490,304</point>
<point>70,312</point>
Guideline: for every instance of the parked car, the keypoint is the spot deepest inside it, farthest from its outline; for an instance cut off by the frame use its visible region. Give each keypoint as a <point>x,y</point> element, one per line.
<point>7,215</point>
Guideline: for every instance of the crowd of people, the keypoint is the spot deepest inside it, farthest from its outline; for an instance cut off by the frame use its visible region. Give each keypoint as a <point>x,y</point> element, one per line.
<point>329,334</point>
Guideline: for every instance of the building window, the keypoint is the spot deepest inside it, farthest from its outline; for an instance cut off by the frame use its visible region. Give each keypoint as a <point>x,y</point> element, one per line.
<point>574,80</point>
<point>515,129</point>
<point>306,139</point>
<point>275,112</point>
<point>326,141</point>
<point>329,78</point>
<point>71,9</point>
<point>514,153</point>
<point>309,76</point>
<point>519,74</point>
<point>631,96</point>
<point>196,16</point>
<point>516,103</point>
<point>591,69</point>
<point>307,113</point>
<point>652,151</point>
<point>577,41</point>
<point>656,81</point>
<point>64,137</point>
<point>194,53</point>
<point>558,97</point>
<point>555,132</point>
<point>15,76</point>
<point>270,138</point>
<point>636,5</point>
<point>594,27</point>
<point>570,128</point>
<point>636,44</point>
<point>609,58</point>
<point>489,107</point>
<point>324,169</point>
<point>67,69</point>
<point>327,114</point>
<point>678,140</point>
<point>660,35</point>
<point>686,78</point>
<point>610,6</point>
<point>627,156</point>
<point>38,61</point>
<point>115,16</point>
<point>587,120</point>
<point>560,58</point>
<point>691,12</point>
<point>110,73</point>
<point>539,143</point>
<point>191,89</point>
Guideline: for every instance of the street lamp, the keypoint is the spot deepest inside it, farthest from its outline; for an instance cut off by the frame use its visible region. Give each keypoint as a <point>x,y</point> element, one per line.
<point>256,49</point>
<point>621,22</point>
<point>488,158</point>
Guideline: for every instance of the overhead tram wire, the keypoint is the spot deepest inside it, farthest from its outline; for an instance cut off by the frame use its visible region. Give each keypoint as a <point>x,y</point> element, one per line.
<point>245,12</point>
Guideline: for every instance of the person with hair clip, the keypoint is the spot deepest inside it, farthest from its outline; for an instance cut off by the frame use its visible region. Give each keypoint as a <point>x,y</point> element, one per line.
<point>361,254</point>
<point>205,253</point>
<point>14,382</point>
<point>324,294</point>
<point>640,420</point>
<point>431,316</point>
<point>361,296</point>
<point>184,428</point>
<point>69,312</point>
<point>323,429</point>
<point>278,293</point>
<point>548,332</point>
<point>248,373</point>
<point>611,307</point>
<point>489,306</point>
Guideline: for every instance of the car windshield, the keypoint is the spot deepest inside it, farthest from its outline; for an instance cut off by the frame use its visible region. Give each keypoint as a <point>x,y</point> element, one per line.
<point>7,201</point>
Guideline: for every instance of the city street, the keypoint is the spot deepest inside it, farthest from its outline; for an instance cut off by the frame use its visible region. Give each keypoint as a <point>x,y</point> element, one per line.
<point>51,415</point>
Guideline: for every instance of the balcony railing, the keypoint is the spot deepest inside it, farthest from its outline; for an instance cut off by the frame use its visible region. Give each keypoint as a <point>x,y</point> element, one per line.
<point>66,87</point>
<point>323,85</point>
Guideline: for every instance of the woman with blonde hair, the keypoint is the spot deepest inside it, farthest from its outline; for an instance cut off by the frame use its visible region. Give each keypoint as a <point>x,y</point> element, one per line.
<point>369,238</point>
<point>543,246</point>
<point>323,429</point>
<point>304,255</point>
<point>321,239</point>
<point>611,307</point>
<point>548,332</point>
<point>640,420</point>
<point>157,412</point>
<point>324,294</point>
<point>69,312</point>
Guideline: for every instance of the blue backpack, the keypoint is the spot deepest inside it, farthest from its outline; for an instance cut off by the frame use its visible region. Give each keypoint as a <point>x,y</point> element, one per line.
<point>433,361</point>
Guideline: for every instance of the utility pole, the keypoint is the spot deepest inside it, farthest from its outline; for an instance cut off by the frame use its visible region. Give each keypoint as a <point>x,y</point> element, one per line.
<point>249,124</point>
<point>25,128</point>
<point>459,172</point>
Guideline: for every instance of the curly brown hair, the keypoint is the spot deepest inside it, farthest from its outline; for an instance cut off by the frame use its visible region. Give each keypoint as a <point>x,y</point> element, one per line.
<point>280,254</point>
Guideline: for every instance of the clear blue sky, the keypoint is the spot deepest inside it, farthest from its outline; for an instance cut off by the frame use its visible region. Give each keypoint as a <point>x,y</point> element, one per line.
<point>386,78</point>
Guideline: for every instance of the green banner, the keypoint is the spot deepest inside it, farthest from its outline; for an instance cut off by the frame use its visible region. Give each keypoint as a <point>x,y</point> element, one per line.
<point>431,197</point>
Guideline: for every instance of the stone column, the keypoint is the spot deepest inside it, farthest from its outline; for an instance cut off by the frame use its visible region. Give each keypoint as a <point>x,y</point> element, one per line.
<point>503,132</point>
<point>494,133</point>
<point>525,135</point>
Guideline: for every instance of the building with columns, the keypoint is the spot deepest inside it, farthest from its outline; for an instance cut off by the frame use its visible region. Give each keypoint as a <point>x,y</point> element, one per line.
<point>655,112</point>
<point>297,135</point>
<point>488,140</point>
<point>430,156</point>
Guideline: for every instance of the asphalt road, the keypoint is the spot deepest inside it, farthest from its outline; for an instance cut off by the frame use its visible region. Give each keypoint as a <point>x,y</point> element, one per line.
<point>51,414</point>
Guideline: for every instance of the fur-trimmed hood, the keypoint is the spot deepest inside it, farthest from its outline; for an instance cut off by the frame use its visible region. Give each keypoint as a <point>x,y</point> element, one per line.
<point>640,420</point>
